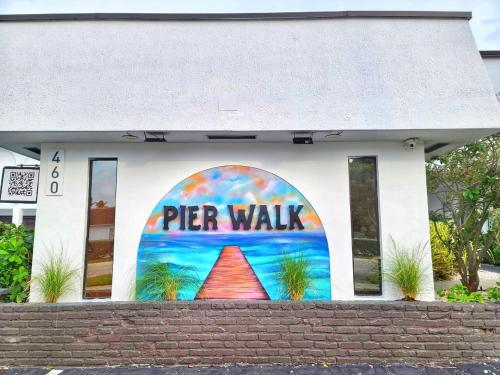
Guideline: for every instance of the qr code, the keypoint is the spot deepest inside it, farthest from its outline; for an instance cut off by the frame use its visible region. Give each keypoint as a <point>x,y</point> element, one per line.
<point>21,183</point>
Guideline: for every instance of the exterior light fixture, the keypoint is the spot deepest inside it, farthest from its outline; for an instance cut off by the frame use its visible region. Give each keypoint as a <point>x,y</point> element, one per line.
<point>303,138</point>
<point>154,137</point>
<point>333,135</point>
<point>129,136</point>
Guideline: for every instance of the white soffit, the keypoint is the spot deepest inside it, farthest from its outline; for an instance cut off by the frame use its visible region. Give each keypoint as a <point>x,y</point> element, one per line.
<point>437,141</point>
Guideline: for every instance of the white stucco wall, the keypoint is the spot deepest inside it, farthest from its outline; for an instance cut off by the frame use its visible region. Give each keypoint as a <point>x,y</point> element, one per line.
<point>146,172</point>
<point>322,74</point>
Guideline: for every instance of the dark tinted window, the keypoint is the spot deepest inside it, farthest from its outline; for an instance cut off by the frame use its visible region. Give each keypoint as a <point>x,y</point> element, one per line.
<point>101,229</point>
<point>6,219</point>
<point>29,221</point>
<point>365,226</point>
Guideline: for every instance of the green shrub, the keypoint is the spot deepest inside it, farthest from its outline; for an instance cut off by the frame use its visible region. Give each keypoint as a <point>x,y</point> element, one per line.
<point>442,259</point>
<point>494,293</point>
<point>56,278</point>
<point>459,293</point>
<point>295,276</point>
<point>493,255</point>
<point>162,282</point>
<point>405,270</point>
<point>16,249</point>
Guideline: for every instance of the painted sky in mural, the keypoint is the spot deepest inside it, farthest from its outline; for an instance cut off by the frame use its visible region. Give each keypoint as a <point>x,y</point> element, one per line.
<point>238,186</point>
<point>255,253</point>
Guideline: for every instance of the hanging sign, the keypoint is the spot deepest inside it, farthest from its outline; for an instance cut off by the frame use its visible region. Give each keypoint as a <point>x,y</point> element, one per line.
<point>19,184</point>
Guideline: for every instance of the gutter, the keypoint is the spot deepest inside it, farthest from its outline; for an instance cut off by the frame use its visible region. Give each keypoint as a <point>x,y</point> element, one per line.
<point>230,16</point>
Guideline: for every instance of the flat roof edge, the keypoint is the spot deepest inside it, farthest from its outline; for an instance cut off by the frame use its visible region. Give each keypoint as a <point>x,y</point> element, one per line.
<point>490,53</point>
<point>230,16</point>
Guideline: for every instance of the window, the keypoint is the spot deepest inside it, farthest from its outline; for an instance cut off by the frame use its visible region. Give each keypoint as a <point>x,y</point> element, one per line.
<point>365,226</point>
<point>100,229</point>
<point>6,219</point>
<point>29,221</point>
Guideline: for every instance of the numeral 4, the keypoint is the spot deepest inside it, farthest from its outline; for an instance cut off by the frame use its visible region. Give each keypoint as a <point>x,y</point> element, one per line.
<point>56,157</point>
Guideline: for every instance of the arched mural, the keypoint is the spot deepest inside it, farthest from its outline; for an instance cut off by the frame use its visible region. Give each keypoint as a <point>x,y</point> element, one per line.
<point>232,226</point>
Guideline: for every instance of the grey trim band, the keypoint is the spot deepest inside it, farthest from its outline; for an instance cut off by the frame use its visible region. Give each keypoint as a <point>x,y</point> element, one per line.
<point>229,16</point>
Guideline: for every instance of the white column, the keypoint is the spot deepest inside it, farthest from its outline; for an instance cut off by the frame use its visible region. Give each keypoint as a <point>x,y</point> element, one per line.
<point>17,214</point>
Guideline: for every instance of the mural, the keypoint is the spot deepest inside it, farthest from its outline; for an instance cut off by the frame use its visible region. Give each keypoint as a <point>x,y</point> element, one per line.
<point>232,226</point>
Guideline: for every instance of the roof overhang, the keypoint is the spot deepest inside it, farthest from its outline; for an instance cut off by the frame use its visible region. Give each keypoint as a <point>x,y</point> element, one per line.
<point>435,142</point>
<point>490,54</point>
<point>374,75</point>
<point>230,16</point>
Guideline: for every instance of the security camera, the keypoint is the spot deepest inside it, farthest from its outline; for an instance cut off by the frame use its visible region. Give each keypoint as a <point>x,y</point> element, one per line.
<point>410,144</point>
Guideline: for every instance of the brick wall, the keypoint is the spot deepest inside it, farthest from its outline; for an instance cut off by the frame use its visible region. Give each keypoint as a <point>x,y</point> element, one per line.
<point>93,334</point>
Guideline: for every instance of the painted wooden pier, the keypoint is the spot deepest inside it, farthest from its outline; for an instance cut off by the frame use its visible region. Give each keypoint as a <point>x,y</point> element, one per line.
<point>232,277</point>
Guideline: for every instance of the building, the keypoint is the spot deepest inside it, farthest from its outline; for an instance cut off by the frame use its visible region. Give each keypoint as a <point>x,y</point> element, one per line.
<point>236,140</point>
<point>491,61</point>
<point>14,212</point>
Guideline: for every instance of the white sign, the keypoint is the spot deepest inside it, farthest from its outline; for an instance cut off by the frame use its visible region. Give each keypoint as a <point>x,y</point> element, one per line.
<point>55,172</point>
<point>19,185</point>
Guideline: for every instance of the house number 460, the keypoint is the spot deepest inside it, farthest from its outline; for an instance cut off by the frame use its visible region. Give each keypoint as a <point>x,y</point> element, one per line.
<point>55,172</point>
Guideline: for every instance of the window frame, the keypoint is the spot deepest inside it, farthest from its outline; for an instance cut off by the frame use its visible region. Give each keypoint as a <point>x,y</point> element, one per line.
<point>380,293</point>
<point>87,235</point>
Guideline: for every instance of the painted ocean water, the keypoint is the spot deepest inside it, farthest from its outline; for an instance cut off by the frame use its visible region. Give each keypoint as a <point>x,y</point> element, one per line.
<point>262,250</point>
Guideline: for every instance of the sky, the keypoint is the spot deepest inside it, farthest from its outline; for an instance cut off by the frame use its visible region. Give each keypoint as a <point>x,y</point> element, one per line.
<point>485,21</point>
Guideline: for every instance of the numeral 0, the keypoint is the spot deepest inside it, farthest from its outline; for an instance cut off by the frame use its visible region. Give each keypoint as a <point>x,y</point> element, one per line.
<point>54,187</point>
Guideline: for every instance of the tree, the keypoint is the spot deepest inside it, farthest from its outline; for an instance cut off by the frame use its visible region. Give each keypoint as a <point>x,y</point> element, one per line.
<point>466,182</point>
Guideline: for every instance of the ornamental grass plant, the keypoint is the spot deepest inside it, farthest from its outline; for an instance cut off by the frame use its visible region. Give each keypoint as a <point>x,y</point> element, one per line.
<point>56,278</point>
<point>405,270</point>
<point>160,281</point>
<point>295,276</point>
